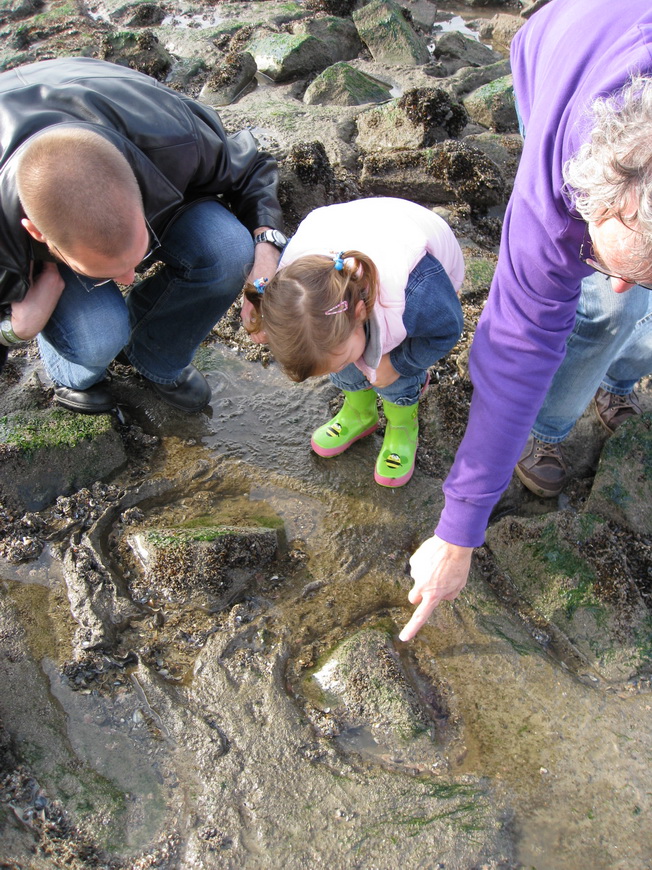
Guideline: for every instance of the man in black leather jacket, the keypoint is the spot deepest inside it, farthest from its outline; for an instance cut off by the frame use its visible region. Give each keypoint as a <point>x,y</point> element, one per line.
<point>103,170</point>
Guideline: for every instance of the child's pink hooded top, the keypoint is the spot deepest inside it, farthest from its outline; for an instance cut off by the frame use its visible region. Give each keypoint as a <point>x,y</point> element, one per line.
<point>362,225</point>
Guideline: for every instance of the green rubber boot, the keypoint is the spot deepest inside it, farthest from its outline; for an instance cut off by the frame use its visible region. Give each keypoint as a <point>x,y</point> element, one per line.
<point>357,417</point>
<point>395,463</point>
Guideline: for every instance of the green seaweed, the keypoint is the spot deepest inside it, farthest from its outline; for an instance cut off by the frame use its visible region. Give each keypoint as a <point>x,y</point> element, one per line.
<point>181,537</point>
<point>565,563</point>
<point>56,429</point>
<point>479,273</point>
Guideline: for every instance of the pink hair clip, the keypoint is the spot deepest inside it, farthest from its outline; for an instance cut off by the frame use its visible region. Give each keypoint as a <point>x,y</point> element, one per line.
<point>339,308</point>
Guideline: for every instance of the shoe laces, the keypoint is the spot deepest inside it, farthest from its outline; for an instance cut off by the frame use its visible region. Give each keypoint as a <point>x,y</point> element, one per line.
<point>619,403</point>
<point>544,450</point>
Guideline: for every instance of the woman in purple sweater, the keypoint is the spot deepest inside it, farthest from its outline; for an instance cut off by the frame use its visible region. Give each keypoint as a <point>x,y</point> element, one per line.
<point>581,210</point>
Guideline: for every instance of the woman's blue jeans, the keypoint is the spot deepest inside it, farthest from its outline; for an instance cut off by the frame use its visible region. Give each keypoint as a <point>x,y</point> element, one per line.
<point>610,347</point>
<point>207,254</point>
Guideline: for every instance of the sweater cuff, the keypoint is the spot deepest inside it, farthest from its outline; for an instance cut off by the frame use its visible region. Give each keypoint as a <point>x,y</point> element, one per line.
<point>463,523</point>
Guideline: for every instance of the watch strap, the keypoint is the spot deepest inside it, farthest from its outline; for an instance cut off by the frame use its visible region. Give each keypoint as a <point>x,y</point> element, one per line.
<point>7,335</point>
<point>274,237</point>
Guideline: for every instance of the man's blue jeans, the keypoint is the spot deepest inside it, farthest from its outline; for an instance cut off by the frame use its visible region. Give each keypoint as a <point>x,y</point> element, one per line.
<point>610,347</point>
<point>207,254</point>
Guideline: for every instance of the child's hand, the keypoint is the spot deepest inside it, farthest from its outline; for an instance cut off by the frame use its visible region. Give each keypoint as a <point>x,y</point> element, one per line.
<point>246,313</point>
<point>386,374</point>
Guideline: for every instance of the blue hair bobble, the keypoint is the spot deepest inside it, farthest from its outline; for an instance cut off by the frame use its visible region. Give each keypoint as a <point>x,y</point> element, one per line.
<point>260,284</point>
<point>339,261</point>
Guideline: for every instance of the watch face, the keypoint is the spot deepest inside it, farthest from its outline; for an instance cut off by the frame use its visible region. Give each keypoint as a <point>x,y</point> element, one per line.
<point>274,237</point>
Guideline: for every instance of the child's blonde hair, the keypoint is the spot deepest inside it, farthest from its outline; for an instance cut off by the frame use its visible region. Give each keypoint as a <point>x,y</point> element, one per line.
<point>308,309</point>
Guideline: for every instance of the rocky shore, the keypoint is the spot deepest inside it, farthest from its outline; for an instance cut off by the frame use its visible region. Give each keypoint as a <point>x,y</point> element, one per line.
<point>198,616</point>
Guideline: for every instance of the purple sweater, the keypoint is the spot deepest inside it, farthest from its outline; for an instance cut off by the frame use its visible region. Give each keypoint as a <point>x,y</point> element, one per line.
<point>568,53</point>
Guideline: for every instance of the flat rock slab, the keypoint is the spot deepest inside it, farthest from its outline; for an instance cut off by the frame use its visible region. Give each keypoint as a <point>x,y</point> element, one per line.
<point>52,452</point>
<point>570,568</point>
<point>622,489</point>
<point>211,565</point>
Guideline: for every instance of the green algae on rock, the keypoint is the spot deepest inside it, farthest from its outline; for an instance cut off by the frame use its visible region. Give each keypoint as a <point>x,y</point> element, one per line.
<point>384,27</point>
<point>479,268</point>
<point>622,489</point>
<point>285,56</point>
<point>54,452</point>
<point>343,85</point>
<point>566,567</point>
<point>340,35</point>
<point>493,106</point>
<point>372,702</point>
<point>212,565</point>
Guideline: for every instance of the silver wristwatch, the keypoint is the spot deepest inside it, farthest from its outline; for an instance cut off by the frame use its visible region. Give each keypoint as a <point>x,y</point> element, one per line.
<point>7,335</point>
<point>274,237</point>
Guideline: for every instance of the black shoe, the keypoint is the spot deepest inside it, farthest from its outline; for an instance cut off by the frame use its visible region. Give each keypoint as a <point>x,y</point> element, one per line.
<point>95,400</point>
<point>122,359</point>
<point>190,392</point>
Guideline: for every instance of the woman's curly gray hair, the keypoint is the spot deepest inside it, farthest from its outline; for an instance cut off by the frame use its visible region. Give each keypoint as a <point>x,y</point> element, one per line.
<point>611,174</point>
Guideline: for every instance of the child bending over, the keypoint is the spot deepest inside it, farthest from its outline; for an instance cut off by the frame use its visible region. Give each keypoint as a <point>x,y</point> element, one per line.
<point>366,291</point>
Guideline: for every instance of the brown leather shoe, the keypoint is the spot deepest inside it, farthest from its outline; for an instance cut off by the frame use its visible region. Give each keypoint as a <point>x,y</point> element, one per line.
<point>613,410</point>
<point>541,468</point>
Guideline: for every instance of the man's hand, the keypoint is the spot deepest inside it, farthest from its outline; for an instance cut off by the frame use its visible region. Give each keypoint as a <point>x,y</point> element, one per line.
<point>29,316</point>
<point>440,571</point>
<point>386,374</point>
<point>266,257</point>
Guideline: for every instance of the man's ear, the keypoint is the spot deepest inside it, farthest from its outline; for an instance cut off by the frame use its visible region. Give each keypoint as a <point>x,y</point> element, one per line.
<point>31,229</point>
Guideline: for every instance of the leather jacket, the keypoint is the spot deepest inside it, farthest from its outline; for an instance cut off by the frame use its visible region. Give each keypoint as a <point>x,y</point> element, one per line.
<point>177,148</point>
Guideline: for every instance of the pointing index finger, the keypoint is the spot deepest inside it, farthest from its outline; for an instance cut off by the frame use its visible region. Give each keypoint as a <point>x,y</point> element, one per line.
<point>419,619</point>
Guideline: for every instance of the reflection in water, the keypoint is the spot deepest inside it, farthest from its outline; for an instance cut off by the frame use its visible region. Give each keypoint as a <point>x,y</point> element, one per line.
<point>112,740</point>
<point>457,24</point>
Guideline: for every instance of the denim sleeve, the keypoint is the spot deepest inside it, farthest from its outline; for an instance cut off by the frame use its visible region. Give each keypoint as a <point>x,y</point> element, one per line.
<point>432,318</point>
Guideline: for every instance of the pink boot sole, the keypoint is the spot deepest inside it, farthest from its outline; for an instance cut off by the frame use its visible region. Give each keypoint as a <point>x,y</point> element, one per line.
<point>393,481</point>
<point>335,451</point>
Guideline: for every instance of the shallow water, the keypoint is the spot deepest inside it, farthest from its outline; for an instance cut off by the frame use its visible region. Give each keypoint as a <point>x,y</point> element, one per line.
<point>557,748</point>
<point>215,733</point>
<point>214,726</point>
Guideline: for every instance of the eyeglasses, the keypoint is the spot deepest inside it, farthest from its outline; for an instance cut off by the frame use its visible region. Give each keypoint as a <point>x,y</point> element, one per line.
<point>590,260</point>
<point>89,283</point>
